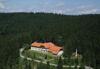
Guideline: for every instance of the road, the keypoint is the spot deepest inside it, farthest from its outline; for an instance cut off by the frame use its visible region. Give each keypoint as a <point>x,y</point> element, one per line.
<point>44,62</point>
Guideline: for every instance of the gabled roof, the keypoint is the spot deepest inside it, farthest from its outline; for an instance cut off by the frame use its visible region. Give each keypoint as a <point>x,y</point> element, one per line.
<point>49,45</point>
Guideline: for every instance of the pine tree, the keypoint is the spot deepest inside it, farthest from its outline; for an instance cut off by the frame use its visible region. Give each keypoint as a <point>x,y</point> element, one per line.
<point>48,65</point>
<point>60,63</point>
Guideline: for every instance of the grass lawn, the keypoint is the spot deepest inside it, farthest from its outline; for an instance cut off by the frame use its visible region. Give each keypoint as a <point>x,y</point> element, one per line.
<point>46,56</point>
<point>42,56</point>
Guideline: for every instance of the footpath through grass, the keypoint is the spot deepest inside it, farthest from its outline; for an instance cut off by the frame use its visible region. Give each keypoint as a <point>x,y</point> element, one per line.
<point>53,60</point>
<point>41,56</point>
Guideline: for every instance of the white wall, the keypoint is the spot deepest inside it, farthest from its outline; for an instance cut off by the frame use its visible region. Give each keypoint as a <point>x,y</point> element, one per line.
<point>60,53</point>
<point>39,49</point>
<point>45,50</point>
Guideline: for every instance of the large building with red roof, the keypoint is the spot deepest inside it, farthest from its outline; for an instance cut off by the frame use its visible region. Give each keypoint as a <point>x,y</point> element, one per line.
<point>47,47</point>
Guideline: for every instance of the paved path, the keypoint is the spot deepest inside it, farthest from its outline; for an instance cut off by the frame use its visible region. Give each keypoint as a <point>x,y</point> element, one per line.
<point>87,67</point>
<point>44,62</point>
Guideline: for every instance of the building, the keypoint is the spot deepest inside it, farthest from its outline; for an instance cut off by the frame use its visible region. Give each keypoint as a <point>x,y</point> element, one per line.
<point>47,47</point>
<point>76,55</point>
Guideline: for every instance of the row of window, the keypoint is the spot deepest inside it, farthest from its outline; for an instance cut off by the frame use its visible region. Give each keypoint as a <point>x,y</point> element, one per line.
<point>39,49</point>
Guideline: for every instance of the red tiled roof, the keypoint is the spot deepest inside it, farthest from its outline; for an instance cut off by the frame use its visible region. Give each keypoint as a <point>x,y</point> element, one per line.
<point>51,47</point>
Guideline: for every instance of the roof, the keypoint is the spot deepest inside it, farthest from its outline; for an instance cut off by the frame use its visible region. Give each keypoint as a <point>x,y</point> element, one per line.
<point>49,45</point>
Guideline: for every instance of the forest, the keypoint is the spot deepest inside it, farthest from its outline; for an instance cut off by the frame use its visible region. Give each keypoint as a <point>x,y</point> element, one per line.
<point>70,31</point>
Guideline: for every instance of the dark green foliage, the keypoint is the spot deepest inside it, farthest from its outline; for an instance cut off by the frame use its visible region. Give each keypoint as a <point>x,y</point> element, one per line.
<point>60,63</point>
<point>81,32</point>
<point>41,66</point>
<point>48,65</point>
<point>46,57</point>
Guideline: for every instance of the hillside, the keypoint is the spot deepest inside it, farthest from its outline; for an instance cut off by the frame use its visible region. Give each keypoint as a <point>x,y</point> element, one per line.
<point>81,32</point>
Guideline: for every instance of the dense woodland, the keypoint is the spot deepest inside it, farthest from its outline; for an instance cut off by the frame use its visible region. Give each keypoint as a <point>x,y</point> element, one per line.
<point>71,32</point>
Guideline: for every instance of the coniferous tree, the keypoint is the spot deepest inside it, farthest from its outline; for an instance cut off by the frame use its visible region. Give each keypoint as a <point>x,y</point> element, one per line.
<point>60,63</point>
<point>48,65</point>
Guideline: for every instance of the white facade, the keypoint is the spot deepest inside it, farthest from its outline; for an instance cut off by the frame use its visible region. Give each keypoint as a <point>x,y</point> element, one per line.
<point>60,53</point>
<point>39,49</point>
<point>45,50</point>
